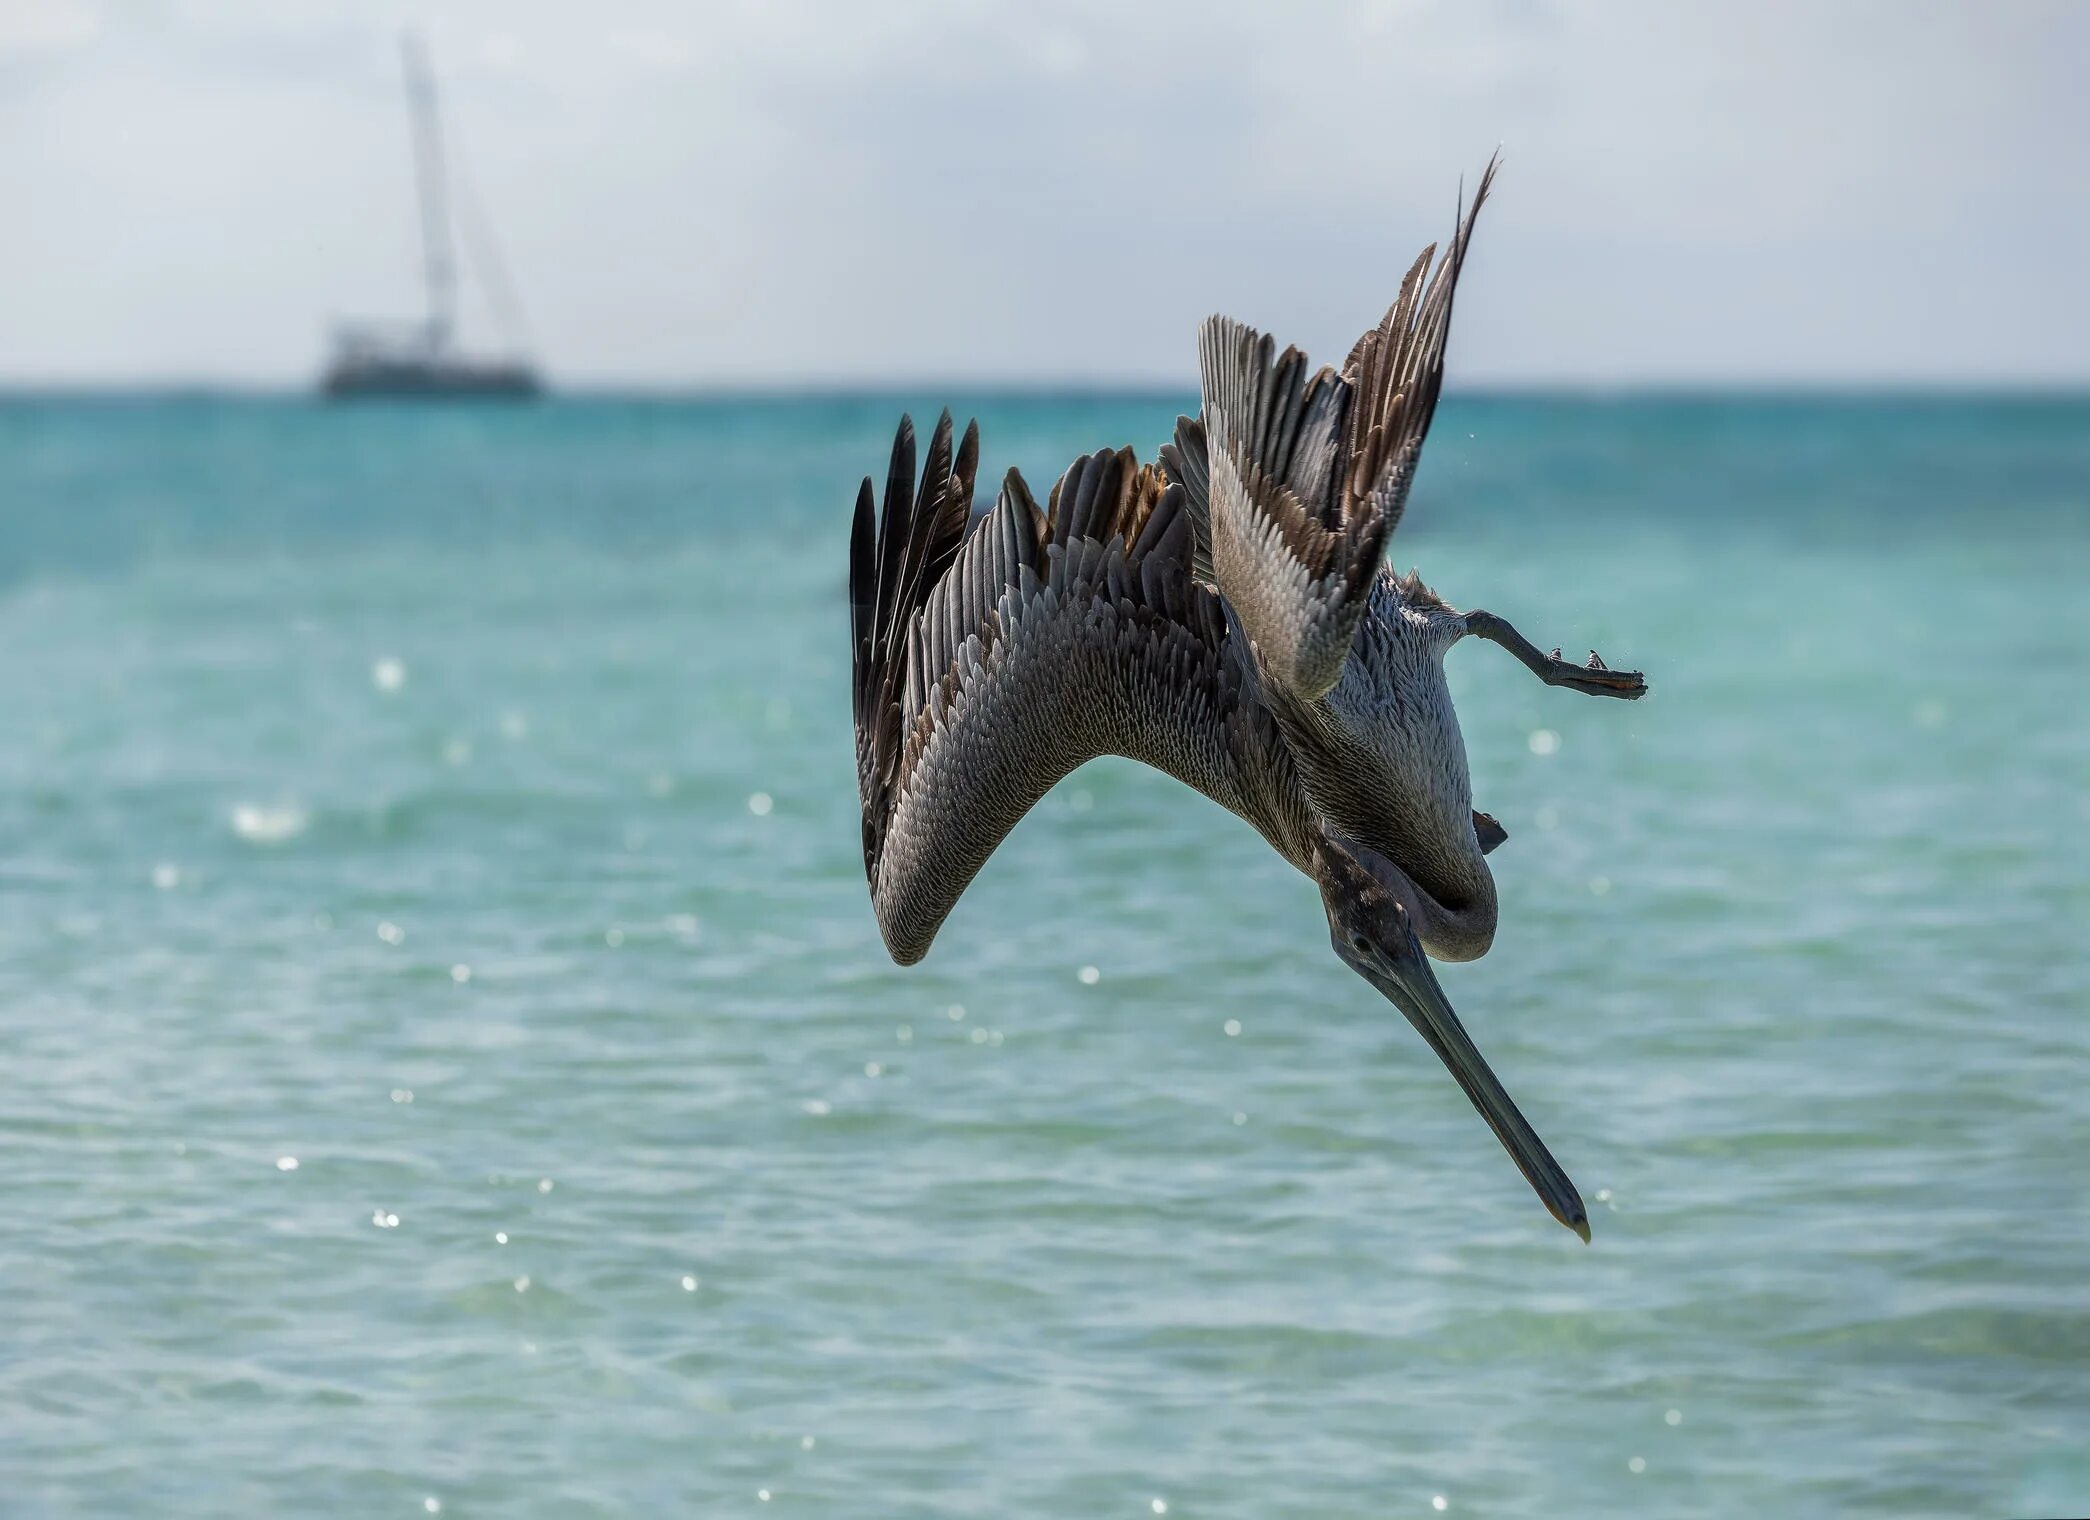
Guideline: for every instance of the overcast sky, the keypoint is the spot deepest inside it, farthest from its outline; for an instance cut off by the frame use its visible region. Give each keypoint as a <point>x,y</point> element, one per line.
<point>791,191</point>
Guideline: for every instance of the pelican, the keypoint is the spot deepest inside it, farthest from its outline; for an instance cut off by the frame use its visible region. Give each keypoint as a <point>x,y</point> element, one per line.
<point>1226,616</point>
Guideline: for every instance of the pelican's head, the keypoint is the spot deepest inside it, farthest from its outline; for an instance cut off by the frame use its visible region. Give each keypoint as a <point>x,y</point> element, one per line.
<point>1372,911</point>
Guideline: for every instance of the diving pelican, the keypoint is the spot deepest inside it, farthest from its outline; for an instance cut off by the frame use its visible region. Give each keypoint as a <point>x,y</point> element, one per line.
<point>1226,616</point>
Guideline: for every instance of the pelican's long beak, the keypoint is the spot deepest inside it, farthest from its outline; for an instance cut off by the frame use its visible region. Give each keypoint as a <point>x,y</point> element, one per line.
<point>1409,983</point>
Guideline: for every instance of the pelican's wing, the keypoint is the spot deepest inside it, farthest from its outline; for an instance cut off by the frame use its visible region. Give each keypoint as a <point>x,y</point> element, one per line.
<point>990,664</point>
<point>1305,475</point>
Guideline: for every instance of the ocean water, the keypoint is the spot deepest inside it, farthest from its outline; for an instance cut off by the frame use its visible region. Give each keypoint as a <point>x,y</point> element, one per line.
<point>451,1066</point>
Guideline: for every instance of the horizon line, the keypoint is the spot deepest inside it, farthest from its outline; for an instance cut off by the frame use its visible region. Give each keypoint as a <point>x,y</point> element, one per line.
<point>1133,388</point>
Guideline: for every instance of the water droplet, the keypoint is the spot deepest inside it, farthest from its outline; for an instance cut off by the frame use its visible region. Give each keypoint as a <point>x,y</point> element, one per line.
<point>762,1494</point>
<point>1160,1506</point>
<point>286,1163</point>
<point>522,1284</point>
<point>383,1220</point>
<point>1636,1464</point>
<point>389,675</point>
<point>544,1184</point>
<point>1673,1417</point>
<point>432,1504</point>
<point>390,932</point>
<point>500,1237</point>
<point>1603,1195</point>
<point>1232,1028</point>
<point>761,804</point>
<point>1438,1501</point>
<point>873,1069</point>
<point>689,1283</point>
<point>1543,741</point>
<point>1090,976</point>
<point>166,876</point>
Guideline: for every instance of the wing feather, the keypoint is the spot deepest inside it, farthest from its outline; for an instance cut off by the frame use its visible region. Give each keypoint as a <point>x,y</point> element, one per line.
<point>1306,477</point>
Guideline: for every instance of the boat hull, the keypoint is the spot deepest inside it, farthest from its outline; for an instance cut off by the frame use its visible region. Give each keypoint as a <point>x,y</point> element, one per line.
<point>429,380</point>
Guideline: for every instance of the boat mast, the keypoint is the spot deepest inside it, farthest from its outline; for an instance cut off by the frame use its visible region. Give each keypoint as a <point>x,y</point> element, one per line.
<point>438,260</point>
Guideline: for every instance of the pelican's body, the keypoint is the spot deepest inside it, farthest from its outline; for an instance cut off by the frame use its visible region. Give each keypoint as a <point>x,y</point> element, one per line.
<point>1225,616</point>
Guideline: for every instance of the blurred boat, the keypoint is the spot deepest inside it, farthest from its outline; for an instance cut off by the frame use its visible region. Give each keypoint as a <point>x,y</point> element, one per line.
<point>421,360</point>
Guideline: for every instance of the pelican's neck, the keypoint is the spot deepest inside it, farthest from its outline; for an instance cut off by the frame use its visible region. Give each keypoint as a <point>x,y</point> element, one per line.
<point>1449,933</point>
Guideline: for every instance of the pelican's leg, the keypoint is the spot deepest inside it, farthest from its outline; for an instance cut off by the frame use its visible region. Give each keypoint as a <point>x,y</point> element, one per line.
<point>1596,678</point>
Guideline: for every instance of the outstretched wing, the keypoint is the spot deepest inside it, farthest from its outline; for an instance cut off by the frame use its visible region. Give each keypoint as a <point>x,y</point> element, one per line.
<point>989,664</point>
<point>1305,475</point>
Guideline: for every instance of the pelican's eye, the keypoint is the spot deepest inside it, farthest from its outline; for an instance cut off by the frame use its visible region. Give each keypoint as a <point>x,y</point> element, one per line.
<point>1359,943</point>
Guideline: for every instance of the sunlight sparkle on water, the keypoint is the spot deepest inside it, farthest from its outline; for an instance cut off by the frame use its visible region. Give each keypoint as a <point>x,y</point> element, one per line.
<point>432,1504</point>
<point>1673,1417</point>
<point>689,1283</point>
<point>402,1095</point>
<point>873,1069</point>
<point>1232,1028</point>
<point>388,675</point>
<point>544,1184</point>
<point>522,1283</point>
<point>390,932</point>
<point>760,804</point>
<point>1543,741</point>
<point>1090,976</point>
<point>267,825</point>
<point>166,876</point>
<point>819,1108</point>
<point>500,1237</point>
<point>1636,1464</point>
<point>286,1163</point>
<point>1438,1501</point>
<point>1160,1506</point>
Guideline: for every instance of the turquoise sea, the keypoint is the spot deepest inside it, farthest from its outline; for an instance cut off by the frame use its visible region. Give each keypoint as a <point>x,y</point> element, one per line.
<point>451,1067</point>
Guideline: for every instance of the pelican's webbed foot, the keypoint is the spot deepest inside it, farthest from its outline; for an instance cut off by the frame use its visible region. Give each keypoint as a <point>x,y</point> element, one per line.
<point>1596,678</point>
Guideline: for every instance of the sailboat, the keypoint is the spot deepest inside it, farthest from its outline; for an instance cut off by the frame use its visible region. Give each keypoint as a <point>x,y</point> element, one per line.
<point>422,360</point>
